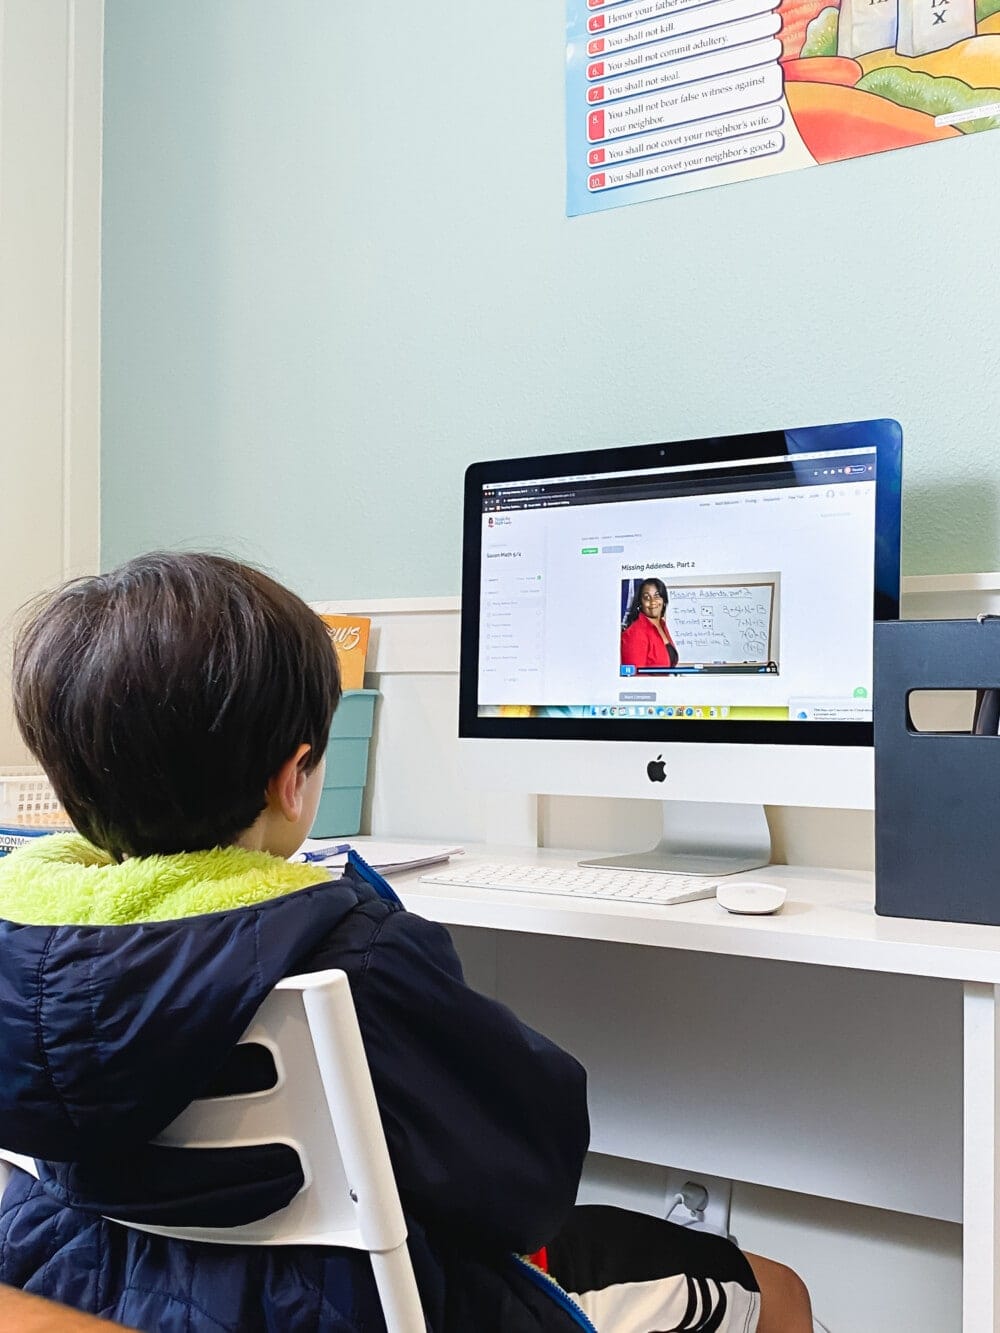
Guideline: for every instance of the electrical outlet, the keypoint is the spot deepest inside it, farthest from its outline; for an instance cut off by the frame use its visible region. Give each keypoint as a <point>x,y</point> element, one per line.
<point>714,1215</point>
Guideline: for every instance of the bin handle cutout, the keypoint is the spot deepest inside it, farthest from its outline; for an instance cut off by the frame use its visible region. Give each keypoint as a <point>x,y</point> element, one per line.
<point>970,712</point>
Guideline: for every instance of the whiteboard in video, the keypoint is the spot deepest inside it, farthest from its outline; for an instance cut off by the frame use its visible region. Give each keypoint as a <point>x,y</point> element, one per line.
<point>725,623</point>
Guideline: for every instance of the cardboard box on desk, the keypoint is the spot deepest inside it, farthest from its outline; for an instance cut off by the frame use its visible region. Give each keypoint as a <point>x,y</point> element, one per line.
<point>937,793</point>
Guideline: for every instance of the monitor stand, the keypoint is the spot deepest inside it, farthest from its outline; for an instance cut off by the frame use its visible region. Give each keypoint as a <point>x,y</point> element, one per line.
<point>703,838</point>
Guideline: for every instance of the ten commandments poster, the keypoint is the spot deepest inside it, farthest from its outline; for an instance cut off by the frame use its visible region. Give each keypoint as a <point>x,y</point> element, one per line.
<point>666,96</point>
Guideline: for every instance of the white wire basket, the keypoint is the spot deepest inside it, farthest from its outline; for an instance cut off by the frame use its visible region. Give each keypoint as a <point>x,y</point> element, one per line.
<point>28,801</point>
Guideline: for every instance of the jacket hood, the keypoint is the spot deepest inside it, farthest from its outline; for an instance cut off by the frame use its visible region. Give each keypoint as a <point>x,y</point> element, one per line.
<point>114,1022</point>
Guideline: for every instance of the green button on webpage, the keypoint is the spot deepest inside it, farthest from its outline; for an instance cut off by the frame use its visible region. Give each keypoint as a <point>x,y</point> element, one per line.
<point>588,550</point>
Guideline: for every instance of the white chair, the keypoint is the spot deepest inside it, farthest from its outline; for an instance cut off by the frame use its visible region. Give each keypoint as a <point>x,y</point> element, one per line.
<point>323,1105</point>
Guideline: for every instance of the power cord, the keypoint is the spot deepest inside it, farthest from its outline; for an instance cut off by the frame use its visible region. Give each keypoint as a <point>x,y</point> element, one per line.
<point>692,1199</point>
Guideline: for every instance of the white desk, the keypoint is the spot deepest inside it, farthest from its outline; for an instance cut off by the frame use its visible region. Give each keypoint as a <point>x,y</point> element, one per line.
<point>821,1052</point>
<point>825,1050</point>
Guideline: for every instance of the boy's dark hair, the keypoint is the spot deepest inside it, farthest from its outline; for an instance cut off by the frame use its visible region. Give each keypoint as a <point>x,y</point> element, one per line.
<point>162,697</point>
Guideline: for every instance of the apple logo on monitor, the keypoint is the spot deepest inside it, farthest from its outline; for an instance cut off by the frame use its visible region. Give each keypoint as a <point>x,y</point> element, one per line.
<point>656,769</point>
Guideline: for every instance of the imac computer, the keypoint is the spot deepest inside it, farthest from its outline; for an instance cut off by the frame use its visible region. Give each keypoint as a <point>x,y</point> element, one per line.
<point>690,621</point>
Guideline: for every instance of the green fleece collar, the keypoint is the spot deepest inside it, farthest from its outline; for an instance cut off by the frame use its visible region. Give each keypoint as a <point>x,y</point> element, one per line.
<point>63,880</point>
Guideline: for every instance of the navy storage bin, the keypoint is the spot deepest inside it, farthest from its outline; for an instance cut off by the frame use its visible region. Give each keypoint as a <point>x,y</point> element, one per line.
<point>937,794</point>
<point>346,766</point>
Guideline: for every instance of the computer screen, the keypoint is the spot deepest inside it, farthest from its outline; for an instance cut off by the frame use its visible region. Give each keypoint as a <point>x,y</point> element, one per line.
<point>713,590</point>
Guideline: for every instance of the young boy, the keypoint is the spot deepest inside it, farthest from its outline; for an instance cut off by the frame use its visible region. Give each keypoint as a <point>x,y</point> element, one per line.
<point>181,707</point>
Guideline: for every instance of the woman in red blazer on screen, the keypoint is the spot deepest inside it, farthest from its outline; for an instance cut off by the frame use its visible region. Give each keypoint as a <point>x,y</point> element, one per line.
<point>646,641</point>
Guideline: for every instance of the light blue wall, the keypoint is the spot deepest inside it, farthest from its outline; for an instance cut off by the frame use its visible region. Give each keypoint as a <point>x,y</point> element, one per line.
<point>337,269</point>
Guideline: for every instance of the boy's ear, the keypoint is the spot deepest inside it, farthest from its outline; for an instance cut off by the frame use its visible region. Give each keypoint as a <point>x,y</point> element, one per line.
<point>285,790</point>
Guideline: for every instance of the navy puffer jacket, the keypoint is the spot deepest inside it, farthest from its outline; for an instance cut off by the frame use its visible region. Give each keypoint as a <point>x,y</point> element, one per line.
<point>108,1032</point>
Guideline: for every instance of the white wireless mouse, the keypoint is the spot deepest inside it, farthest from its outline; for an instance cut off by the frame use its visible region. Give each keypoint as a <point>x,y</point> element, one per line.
<point>750,897</point>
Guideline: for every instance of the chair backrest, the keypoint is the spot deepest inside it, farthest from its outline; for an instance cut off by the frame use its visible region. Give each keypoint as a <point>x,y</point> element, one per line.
<point>9,1159</point>
<point>323,1105</point>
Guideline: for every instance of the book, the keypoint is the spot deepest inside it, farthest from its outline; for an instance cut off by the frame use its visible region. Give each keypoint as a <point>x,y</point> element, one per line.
<point>349,636</point>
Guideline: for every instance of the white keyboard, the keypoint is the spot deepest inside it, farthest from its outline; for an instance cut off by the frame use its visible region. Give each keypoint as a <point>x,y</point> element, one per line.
<point>634,886</point>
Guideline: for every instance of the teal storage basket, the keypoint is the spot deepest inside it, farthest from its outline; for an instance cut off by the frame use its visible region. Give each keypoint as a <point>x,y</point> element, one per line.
<point>346,766</point>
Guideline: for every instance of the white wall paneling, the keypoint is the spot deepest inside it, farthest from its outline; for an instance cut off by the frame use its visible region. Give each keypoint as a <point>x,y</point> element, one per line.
<point>50,207</point>
<point>416,785</point>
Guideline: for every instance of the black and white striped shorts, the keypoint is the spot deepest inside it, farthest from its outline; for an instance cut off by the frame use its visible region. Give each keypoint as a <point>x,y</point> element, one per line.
<point>630,1273</point>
